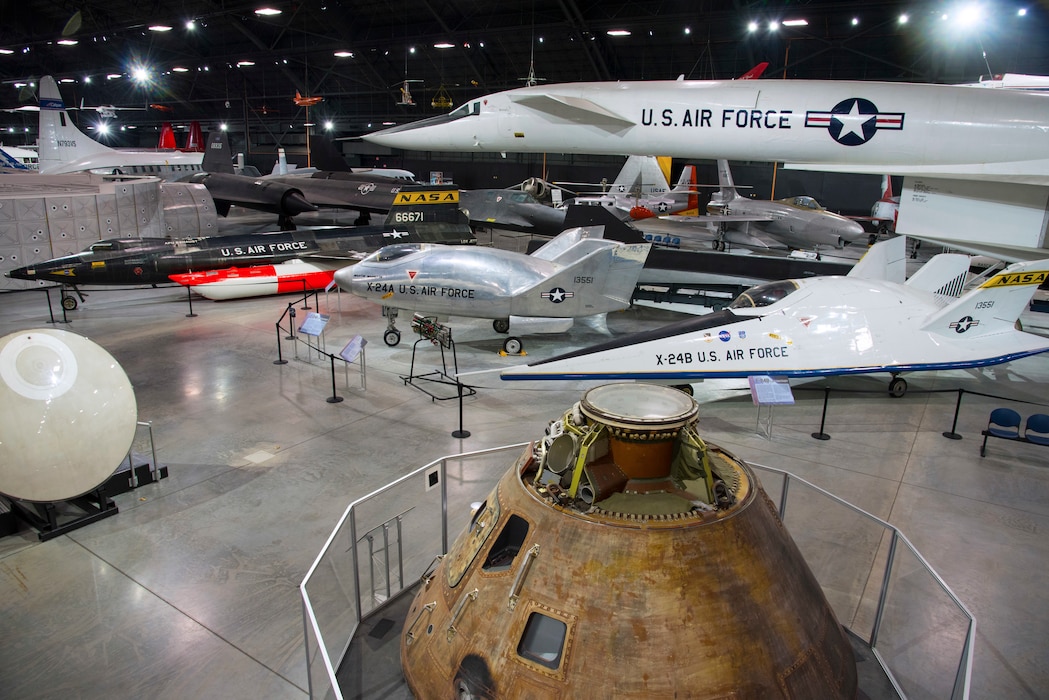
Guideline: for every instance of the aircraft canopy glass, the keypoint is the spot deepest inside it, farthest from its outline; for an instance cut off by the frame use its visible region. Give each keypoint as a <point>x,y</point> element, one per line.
<point>763,295</point>
<point>803,202</point>
<point>392,252</point>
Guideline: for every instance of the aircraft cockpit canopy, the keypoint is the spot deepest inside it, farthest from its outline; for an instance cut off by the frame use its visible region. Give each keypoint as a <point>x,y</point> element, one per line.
<point>393,252</point>
<point>803,202</point>
<point>764,295</point>
<point>111,244</point>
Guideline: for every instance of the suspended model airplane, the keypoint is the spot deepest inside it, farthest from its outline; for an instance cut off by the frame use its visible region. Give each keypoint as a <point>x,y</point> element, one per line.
<point>65,149</point>
<point>422,213</point>
<point>857,324</point>
<point>578,273</point>
<point>945,131</point>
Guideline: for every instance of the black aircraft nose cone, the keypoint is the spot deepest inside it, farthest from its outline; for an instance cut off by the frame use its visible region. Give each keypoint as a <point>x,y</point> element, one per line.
<point>21,273</point>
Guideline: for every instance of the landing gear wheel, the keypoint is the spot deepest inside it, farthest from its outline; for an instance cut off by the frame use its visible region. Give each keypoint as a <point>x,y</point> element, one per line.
<point>897,387</point>
<point>69,303</point>
<point>512,346</point>
<point>501,325</point>
<point>391,337</point>
<point>719,245</point>
<point>685,389</point>
<point>872,239</point>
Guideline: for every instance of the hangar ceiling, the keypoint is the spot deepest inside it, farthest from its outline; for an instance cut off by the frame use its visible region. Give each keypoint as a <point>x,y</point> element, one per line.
<point>232,65</point>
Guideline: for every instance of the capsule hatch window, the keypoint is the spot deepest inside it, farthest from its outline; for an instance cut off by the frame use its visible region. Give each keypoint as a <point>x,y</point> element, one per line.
<point>507,545</point>
<point>543,640</point>
<point>764,295</point>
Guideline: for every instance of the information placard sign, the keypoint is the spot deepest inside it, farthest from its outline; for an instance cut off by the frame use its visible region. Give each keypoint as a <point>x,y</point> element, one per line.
<point>770,391</point>
<point>353,348</point>
<point>314,324</point>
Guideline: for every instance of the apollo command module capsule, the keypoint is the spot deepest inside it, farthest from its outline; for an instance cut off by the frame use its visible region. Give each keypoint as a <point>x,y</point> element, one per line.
<point>622,556</point>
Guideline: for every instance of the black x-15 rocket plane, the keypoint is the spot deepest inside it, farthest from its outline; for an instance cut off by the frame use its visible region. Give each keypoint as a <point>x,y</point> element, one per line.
<point>420,213</point>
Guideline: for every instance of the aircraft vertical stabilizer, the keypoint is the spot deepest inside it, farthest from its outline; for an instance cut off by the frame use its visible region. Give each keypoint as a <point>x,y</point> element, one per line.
<point>944,275</point>
<point>994,306</point>
<point>727,190</point>
<point>194,139</point>
<point>883,261</point>
<point>167,137</point>
<point>217,157</point>
<point>599,276</point>
<point>428,204</point>
<point>60,141</point>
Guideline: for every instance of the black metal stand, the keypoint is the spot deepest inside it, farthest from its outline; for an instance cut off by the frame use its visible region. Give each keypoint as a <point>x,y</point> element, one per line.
<point>51,311</point>
<point>189,298</point>
<point>823,420</point>
<point>334,398</point>
<point>460,433</point>
<point>55,518</point>
<point>951,435</point>
<point>441,336</point>
<point>280,356</point>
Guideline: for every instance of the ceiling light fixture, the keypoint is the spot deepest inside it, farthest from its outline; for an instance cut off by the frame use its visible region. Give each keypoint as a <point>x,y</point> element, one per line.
<point>618,32</point>
<point>7,52</point>
<point>344,54</point>
<point>795,23</point>
<point>159,28</point>
<point>443,45</point>
<point>180,69</point>
<point>67,42</point>
<point>267,11</point>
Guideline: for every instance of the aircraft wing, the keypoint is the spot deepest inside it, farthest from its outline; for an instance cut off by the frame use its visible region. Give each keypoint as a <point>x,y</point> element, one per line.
<point>1006,253</point>
<point>574,109</point>
<point>711,219</point>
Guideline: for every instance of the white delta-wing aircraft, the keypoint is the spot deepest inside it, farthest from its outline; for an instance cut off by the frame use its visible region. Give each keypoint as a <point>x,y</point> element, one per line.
<point>577,273</point>
<point>946,131</point>
<point>858,324</point>
<point>63,148</point>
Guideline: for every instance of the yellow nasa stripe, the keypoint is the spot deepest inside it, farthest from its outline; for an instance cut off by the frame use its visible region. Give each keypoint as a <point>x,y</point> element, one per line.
<point>1016,279</point>
<point>427,197</point>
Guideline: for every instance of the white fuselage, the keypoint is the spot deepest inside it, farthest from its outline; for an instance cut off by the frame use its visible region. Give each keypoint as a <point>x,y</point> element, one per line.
<point>828,326</point>
<point>902,128</point>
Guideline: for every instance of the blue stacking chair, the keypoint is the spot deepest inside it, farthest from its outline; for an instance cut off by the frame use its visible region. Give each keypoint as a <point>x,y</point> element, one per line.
<point>1037,429</point>
<point>1004,423</point>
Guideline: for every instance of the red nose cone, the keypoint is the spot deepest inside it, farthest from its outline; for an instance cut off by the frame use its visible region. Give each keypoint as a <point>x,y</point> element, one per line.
<point>640,212</point>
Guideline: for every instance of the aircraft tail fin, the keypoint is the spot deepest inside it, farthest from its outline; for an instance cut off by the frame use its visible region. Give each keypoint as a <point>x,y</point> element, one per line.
<point>61,143</point>
<point>217,157</point>
<point>427,204</point>
<point>994,306</point>
<point>194,139</point>
<point>886,260</point>
<point>886,187</point>
<point>629,174</point>
<point>326,156</point>
<point>755,72</point>
<point>687,183</point>
<point>944,275</point>
<point>596,276</point>
<point>580,215</point>
<point>726,188</point>
<point>167,137</point>
<point>9,162</point>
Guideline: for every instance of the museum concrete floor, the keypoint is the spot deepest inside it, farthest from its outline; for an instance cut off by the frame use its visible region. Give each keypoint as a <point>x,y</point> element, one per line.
<point>191,590</point>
